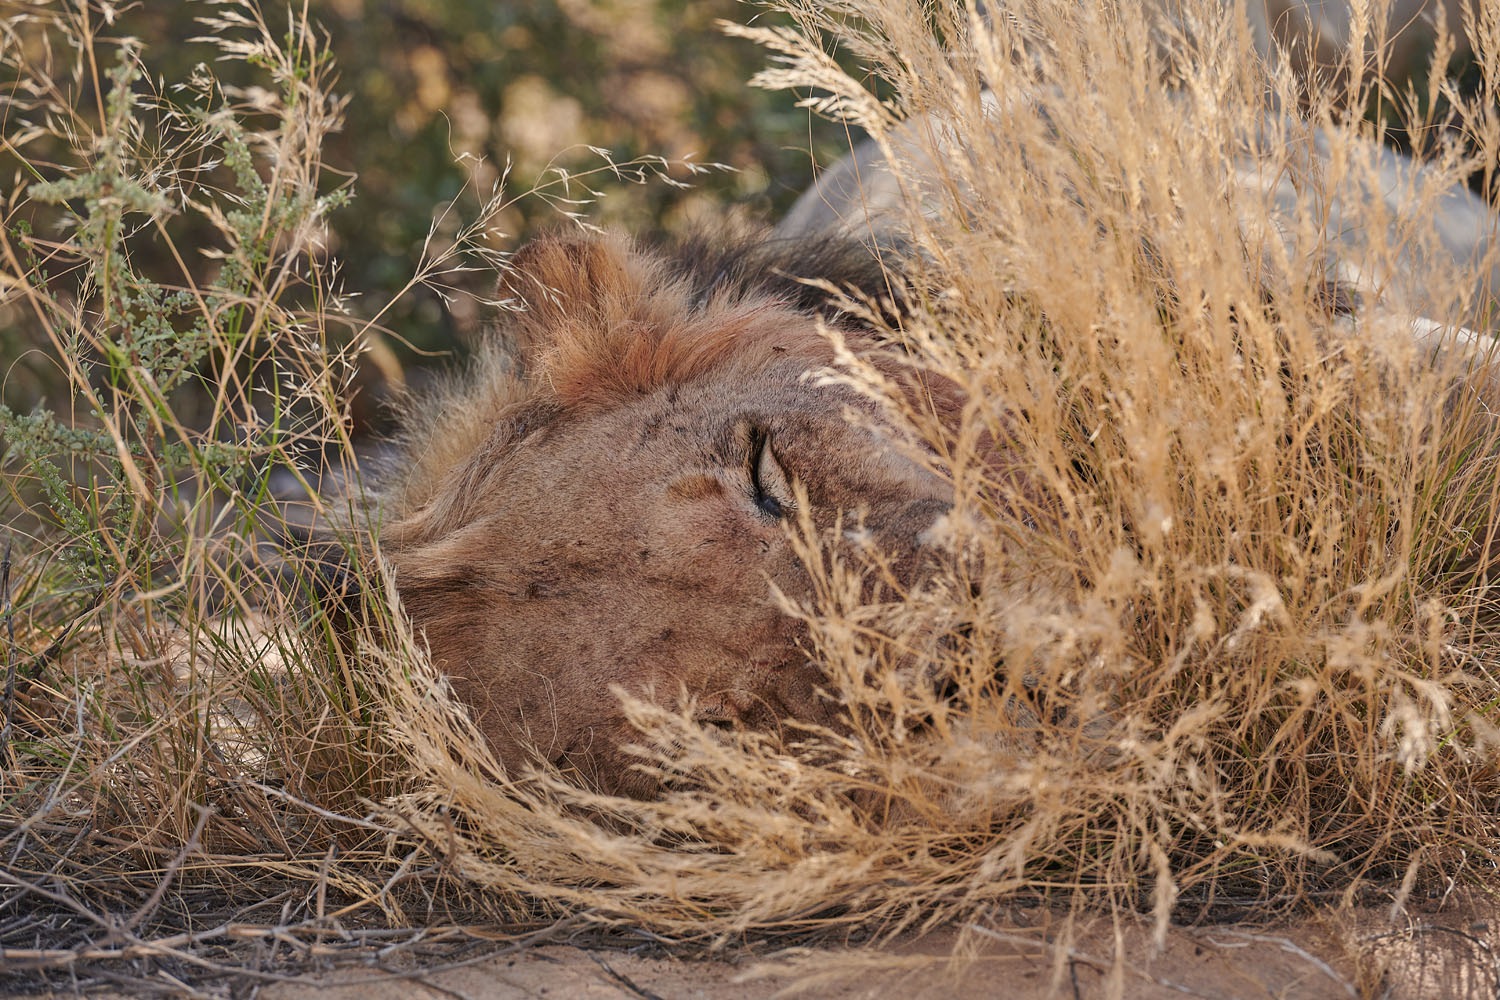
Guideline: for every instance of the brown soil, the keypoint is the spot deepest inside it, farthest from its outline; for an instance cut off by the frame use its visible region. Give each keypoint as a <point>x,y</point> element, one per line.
<point>1355,954</point>
<point>1449,951</point>
<point>1444,948</point>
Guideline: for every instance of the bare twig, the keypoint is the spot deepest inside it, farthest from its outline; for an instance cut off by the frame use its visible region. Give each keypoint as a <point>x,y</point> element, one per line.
<point>8,613</point>
<point>316,810</point>
<point>1074,955</point>
<point>1286,944</point>
<point>623,980</point>
<point>56,646</point>
<point>358,941</point>
<point>1418,929</point>
<point>190,846</point>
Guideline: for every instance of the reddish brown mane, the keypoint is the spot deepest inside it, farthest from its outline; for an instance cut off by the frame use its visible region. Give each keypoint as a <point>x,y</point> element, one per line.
<point>604,323</point>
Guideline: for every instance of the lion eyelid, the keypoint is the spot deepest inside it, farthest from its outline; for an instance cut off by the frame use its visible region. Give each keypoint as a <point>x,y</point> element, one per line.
<point>773,492</point>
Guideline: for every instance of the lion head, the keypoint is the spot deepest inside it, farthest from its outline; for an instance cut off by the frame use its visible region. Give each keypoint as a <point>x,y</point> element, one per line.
<point>605,500</point>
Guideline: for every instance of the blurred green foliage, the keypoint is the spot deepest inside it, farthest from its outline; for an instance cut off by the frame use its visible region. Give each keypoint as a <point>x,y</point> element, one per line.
<point>530,82</point>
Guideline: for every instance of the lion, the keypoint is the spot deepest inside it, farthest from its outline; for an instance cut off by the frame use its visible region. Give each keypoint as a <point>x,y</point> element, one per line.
<point>604,502</point>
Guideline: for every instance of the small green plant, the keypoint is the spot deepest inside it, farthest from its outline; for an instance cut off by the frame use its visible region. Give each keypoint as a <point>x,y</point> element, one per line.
<point>138,505</point>
<point>175,688</point>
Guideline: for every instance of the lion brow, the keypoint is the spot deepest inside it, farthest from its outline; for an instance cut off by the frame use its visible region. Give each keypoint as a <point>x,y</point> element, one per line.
<point>695,488</point>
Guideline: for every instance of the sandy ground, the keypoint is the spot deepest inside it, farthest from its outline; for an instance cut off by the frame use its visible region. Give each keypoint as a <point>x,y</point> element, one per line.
<point>1449,951</point>
<point>1355,954</point>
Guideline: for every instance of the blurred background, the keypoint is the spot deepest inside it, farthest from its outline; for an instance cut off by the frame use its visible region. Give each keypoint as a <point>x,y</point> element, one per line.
<point>531,82</point>
<point>445,93</point>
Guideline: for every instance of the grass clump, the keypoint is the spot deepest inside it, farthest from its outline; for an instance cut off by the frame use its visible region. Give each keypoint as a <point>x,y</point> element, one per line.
<point>1217,626</point>
<point>163,249</point>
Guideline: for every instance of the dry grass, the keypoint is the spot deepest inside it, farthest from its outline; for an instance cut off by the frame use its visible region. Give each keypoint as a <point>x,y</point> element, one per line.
<point>1218,627</point>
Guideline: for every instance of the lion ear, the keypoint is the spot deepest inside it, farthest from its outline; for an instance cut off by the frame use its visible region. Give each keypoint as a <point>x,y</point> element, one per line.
<point>570,287</point>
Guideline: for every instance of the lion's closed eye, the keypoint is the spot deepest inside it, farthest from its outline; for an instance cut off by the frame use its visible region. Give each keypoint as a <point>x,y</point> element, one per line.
<point>772,490</point>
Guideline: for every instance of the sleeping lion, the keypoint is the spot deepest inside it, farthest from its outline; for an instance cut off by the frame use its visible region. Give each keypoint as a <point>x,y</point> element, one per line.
<point>603,502</point>
<point>603,499</point>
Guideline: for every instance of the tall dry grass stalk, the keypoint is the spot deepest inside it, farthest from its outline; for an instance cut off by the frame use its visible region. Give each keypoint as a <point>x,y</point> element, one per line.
<point>1217,623</point>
